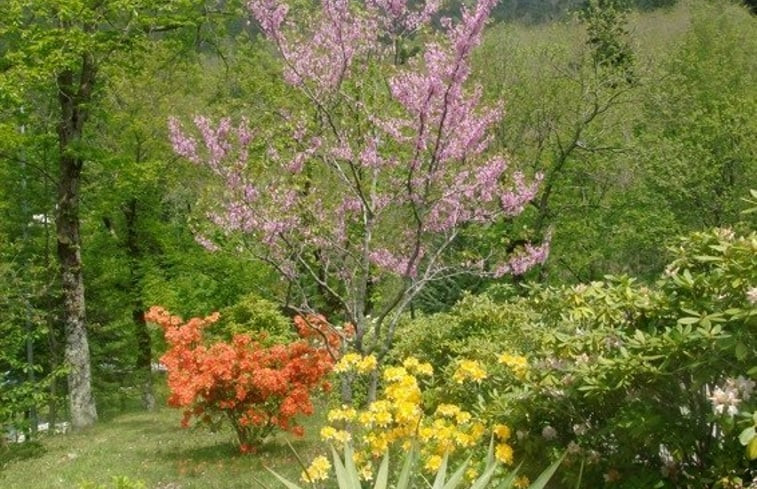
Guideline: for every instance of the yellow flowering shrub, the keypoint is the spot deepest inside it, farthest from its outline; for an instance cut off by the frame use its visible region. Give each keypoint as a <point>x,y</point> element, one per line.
<point>398,420</point>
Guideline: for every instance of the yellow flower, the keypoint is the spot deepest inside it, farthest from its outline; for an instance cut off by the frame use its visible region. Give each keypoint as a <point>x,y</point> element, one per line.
<point>358,458</point>
<point>328,433</point>
<point>342,436</point>
<point>394,374</point>
<point>433,463</point>
<point>318,470</point>
<point>379,406</point>
<point>477,430</point>
<point>462,417</point>
<point>367,364</point>
<point>424,369</point>
<point>522,482</point>
<point>425,433</point>
<point>383,418</point>
<point>366,419</point>
<point>448,410</point>
<point>517,363</point>
<point>366,472</point>
<point>502,431</point>
<point>469,370</point>
<point>411,363</point>
<point>344,414</point>
<point>463,439</point>
<point>347,363</point>
<point>471,474</point>
<point>407,412</point>
<point>378,444</point>
<point>504,453</point>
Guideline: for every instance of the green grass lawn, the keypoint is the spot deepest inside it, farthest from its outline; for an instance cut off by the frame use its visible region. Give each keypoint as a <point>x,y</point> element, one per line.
<point>152,448</point>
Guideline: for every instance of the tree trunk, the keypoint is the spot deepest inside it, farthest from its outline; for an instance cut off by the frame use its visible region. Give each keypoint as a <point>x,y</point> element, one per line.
<point>73,97</point>
<point>144,344</point>
<point>80,399</point>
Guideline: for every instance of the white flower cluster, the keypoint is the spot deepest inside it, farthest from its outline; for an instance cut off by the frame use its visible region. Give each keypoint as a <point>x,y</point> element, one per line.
<point>751,295</point>
<point>726,399</point>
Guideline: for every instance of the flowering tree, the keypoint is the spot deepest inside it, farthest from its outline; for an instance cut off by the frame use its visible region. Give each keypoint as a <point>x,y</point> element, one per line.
<point>385,169</point>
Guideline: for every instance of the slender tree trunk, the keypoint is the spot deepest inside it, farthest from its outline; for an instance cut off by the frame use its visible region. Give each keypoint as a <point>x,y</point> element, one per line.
<point>144,344</point>
<point>74,96</point>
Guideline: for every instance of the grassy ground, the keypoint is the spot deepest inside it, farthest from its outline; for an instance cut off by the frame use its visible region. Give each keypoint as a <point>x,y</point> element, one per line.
<point>152,448</point>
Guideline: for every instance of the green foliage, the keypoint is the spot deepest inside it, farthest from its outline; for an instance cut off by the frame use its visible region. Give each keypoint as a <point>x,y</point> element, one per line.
<point>23,385</point>
<point>627,376</point>
<point>697,146</point>
<point>627,167</point>
<point>254,315</point>
<point>608,36</point>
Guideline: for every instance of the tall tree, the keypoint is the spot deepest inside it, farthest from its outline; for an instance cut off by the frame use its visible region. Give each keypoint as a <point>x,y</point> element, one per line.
<point>60,49</point>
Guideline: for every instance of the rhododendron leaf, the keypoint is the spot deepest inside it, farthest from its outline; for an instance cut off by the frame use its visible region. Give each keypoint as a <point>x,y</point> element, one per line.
<point>751,449</point>
<point>746,436</point>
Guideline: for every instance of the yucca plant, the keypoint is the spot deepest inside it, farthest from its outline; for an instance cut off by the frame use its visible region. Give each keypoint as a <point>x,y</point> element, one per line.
<point>347,476</point>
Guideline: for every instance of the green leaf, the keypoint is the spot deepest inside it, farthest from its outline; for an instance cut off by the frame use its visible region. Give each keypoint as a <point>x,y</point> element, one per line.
<point>441,474</point>
<point>349,465</point>
<point>382,477</point>
<point>746,436</point>
<point>688,320</point>
<point>457,476</point>
<point>404,480</point>
<point>741,351</point>
<point>287,483</point>
<point>544,477</point>
<point>484,479</point>
<point>342,478</point>
<point>509,480</point>
<point>751,449</point>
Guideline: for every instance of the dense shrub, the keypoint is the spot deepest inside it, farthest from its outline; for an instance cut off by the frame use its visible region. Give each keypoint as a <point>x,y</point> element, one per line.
<point>256,389</point>
<point>254,315</point>
<point>646,386</point>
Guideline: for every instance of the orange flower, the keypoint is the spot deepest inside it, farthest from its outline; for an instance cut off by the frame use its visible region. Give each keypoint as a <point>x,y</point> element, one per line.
<point>260,388</point>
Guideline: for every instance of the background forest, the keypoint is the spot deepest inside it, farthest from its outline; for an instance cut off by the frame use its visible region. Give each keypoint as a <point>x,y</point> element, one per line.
<point>628,353</point>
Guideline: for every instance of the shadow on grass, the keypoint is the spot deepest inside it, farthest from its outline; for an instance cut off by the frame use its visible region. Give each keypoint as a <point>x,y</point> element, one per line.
<point>275,449</point>
<point>20,451</point>
<point>209,453</point>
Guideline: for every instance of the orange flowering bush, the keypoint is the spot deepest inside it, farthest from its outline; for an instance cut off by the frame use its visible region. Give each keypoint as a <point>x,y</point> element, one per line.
<point>256,389</point>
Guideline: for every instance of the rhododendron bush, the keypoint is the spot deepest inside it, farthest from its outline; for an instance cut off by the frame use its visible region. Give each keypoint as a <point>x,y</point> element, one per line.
<point>364,191</point>
<point>257,390</point>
